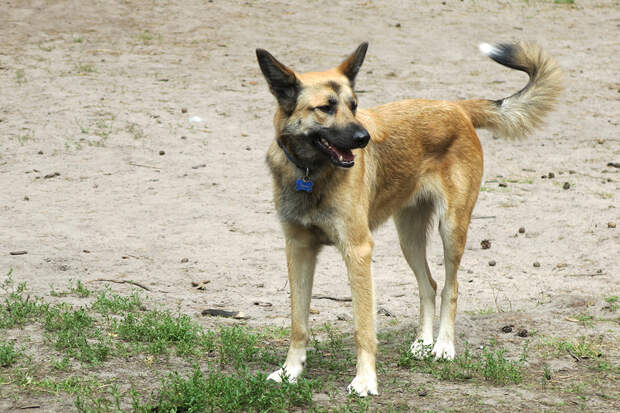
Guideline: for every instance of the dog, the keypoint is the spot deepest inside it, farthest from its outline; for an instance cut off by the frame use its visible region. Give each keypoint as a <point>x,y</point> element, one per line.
<point>339,172</point>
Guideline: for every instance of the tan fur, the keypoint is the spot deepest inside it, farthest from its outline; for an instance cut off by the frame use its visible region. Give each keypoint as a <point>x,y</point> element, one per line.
<point>424,160</point>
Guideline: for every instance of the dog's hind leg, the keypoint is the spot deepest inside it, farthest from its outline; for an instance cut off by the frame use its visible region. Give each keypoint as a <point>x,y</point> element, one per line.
<point>412,224</point>
<point>453,224</point>
<point>301,251</point>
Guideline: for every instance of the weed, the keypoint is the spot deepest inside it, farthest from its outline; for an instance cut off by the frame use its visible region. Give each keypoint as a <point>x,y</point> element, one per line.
<point>134,130</point>
<point>581,348</point>
<point>8,354</point>
<point>490,364</point>
<point>79,290</point>
<point>159,330</point>
<point>330,354</point>
<point>585,319</point>
<point>564,1</point>
<point>110,303</point>
<point>612,303</point>
<point>219,392</point>
<point>17,310</point>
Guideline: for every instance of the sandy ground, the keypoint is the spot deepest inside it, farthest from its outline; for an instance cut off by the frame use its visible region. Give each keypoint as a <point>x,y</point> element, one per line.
<point>100,95</point>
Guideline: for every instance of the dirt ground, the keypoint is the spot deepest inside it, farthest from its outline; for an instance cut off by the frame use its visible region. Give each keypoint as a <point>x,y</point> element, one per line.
<point>106,173</point>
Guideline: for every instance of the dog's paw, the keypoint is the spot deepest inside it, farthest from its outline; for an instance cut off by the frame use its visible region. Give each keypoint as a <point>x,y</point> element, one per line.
<point>363,386</point>
<point>290,373</point>
<point>443,350</point>
<point>421,349</point>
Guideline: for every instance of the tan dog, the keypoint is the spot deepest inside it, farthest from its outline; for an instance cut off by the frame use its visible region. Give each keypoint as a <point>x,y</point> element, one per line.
<point>338,173</point>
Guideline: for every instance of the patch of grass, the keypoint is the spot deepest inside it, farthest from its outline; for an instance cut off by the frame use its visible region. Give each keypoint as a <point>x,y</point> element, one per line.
<point>330,354</point>
<point>159,330</point>
<point>222,393</point>
<point>146,37</point>
<point>79,290</point>
<point>26,137</point>
<point>73,332</point>
<point>8,354</point>
<point>18,309</point>
<point>108,302</point>
<point>585,319</point>
<point>612,303</point>
<point>564,1</point>
<point>136,131</point>
<point>582,348</point>
<point>490,365</point>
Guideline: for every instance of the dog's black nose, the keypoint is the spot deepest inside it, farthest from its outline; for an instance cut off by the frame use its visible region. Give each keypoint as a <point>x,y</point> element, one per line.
<point>361,137</point>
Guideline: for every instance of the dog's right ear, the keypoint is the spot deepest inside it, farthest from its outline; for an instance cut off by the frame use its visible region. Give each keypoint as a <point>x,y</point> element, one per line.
<point>283,83</point>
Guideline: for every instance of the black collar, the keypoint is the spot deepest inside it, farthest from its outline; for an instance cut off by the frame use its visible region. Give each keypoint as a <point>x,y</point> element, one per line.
<point>304,169</point>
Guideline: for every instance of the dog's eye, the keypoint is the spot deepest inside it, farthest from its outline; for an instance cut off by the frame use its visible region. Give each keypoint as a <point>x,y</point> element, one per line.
<point>353,106</point>
<point>325,108</point>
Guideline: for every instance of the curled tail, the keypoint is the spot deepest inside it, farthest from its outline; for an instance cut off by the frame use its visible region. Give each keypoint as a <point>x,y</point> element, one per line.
<point>517,115</point>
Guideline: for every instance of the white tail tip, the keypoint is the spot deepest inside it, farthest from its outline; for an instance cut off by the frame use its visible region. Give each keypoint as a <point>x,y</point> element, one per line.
<point>486,49</point>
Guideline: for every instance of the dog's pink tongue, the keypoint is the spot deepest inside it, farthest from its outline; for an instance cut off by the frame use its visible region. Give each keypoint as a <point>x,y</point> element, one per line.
<point>346,154</point>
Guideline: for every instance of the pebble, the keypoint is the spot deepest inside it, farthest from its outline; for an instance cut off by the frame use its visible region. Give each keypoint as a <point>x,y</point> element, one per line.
<point>611,225</point>
<point>536,264</point>
<point>550,175</point>
<point>566,185</point>
<point>492,263</point>
<point>522,230</point>
<point>485,244</point>
<point>184,260</point>
<point>162,152</point>
<point>314,311</point>
<point>183,110</point>
<point>423,392</point>
<point>26,198</point>
<point>18,252</point>
<point>523,333</point>
<point>52,175</point>
<point>503,185</point>
<point>343,317</point>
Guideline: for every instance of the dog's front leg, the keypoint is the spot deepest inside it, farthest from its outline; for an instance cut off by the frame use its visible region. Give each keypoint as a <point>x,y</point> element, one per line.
<point>357,256</point>
<point>301,252</point>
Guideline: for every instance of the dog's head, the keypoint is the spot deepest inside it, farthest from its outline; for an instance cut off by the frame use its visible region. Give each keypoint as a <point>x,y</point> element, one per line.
<point>316,110</point>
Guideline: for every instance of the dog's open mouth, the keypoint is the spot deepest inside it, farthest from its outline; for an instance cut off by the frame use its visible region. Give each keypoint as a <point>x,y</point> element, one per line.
<point>340,157</point>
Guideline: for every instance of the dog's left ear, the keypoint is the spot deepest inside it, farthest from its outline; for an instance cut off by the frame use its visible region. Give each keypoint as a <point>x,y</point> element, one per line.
<point>352,64</point>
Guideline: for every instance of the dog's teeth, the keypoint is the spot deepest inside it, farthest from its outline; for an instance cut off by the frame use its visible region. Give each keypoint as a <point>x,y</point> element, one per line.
<point>340,158</point>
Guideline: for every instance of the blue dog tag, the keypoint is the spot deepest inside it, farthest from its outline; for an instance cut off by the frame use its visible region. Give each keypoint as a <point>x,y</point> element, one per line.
<point>304,185</point>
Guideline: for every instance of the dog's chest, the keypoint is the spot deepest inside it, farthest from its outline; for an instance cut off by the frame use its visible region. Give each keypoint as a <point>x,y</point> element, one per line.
<point>306,209</point>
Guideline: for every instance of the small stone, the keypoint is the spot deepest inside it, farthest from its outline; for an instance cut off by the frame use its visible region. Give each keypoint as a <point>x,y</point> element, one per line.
<point>184,260</point>
<point>261,285</point>
<point>161,153</point>
<point>507,329</point>
<point>183,110</point>
<point>40,152</point>
<point>503,185</point>
<point>397,25</point>
<point>385,312</point>
<point>423,392</point>
<point>343,317</point>
<point>536,264</point>
<point>314,311</point>
<point>566,185</point>
<point>26,198</point>
<point>550,175</point>
<point>492,263</point>
<point>611,225</point>
<point>523,333</point>
<point>485,244</point>
<point>63,267</point>
<point>183,137</point>
<point>522,230</point>
<point>601,141</point>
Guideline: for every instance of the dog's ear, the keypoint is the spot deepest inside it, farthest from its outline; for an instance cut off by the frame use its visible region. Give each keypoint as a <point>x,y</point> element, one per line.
<point>283,83</point>
<point>352,64</point>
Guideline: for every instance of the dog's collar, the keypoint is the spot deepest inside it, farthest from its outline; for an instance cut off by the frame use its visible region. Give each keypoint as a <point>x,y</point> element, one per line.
<point>303,184</point>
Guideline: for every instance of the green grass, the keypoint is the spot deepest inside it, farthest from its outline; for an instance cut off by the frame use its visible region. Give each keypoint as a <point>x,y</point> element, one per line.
<point>121,352</point>
<point>218,392</point>
<point>8,354</point>
<point>612,303</point>
<point>489,365</point>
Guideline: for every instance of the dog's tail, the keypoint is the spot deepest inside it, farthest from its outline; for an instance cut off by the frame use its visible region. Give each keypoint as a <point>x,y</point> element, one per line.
<point>517,115</point>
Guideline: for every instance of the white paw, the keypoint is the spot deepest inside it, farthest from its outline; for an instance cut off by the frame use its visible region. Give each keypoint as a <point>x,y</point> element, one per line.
<point>291,374</point>
<point>420,349</point>
<point>443,350</point>
<point>363,386</point>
